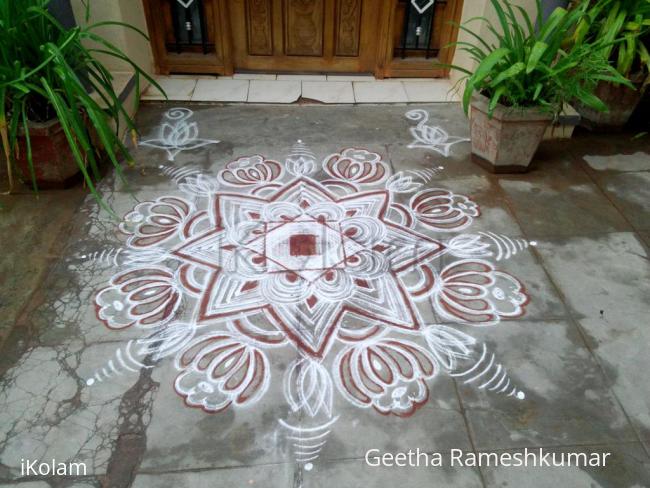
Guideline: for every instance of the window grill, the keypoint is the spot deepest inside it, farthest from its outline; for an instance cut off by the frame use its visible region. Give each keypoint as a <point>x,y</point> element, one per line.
<point>418,28</point>
<point>189,26</point>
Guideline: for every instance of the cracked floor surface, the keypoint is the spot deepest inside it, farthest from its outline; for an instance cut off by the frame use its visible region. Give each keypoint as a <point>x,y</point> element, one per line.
<point>578,349</point>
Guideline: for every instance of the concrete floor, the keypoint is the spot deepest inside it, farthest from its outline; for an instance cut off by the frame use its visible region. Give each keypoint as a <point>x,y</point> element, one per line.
<point>565,317</point>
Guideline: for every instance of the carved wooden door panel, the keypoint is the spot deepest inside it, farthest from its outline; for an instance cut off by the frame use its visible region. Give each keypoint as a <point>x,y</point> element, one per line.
<point>304,35</point>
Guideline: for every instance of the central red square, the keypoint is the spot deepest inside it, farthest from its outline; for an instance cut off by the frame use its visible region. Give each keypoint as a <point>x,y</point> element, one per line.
<point>303,245</point>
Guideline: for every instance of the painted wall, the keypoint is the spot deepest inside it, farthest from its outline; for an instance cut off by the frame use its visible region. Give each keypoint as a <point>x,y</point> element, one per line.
<point>133,44</point>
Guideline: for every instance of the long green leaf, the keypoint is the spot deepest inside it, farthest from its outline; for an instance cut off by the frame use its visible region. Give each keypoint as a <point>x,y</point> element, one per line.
<point>28,146</point>
<point>514,70</point>
<point>61,111</point>
<point>535,55</point>
<point>485,68</point>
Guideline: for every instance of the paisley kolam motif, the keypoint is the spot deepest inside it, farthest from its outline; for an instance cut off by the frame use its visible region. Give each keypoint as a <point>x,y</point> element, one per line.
<point>146,297</point>
<point>219,370</point>
<point>444,210</point>
<point>386,374</point>
<point>151,223</point>
<point>353,275</point>
<point>358,166</point>
<point>250,170</point>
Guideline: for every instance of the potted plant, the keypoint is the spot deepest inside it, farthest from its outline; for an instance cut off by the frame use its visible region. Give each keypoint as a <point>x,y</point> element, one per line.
<point>629,21</point>
<point>523,79</point>
<point>59,113</point>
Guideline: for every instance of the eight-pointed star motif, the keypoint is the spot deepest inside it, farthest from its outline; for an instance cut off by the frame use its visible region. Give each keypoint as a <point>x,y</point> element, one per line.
<point>308,260</point>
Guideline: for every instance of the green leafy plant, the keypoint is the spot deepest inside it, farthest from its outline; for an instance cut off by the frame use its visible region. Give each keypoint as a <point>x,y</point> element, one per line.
<point>627,20</point>
<point>534,66</point>
<point>48,71</point>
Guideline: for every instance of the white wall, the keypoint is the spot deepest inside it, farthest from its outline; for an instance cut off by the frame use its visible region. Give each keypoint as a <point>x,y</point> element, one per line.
<point>131,43</point>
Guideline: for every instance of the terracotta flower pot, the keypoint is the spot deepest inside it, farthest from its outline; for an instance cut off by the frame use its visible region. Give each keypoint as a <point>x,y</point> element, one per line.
<point>54,164</point>
<point>507,142</point>
<point>620,99</point>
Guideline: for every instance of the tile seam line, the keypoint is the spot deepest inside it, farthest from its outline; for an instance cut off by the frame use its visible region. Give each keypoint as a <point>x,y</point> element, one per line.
<point>151,101</point>
<point>644,444</point>
<point>572,319</point>
<point>581,235</point>
<point>468,430</point>
<point>26,479</point>
<point>581,164</point>
<point>151,471</point>
<point>23,312</point>
<point>596,182</point>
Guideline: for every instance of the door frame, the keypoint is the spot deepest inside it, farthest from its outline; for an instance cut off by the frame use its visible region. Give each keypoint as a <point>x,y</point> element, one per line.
<point>221,62</point>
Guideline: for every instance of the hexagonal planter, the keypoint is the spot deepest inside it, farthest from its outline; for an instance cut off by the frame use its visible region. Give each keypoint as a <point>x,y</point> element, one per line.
<point>621,100</point>
<point>507,142</point>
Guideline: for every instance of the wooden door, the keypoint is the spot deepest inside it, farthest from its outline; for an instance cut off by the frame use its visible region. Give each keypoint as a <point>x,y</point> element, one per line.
<point>304,35</point>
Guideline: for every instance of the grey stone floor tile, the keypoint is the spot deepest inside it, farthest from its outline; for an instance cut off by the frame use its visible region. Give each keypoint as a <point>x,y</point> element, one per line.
<point>86,482</point>
<point>357,474</point>
<point>181,438</point>
<point>613,153</point>
<point>645,236</point>
<point>275,475</point>
<point>431,428</point>
<point>314,124</point>
<point>27,484</point>
<point>633,161</point>
<point>456,164</point>
<point>620,344</point>
<point>626,466</point>
<point>554,159</point>
<point>561,207</point>
<point>567,398</point>
<point>23,225</point>
<point>51,413</point>
<point>609,273</point>
<point>631,194</point>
